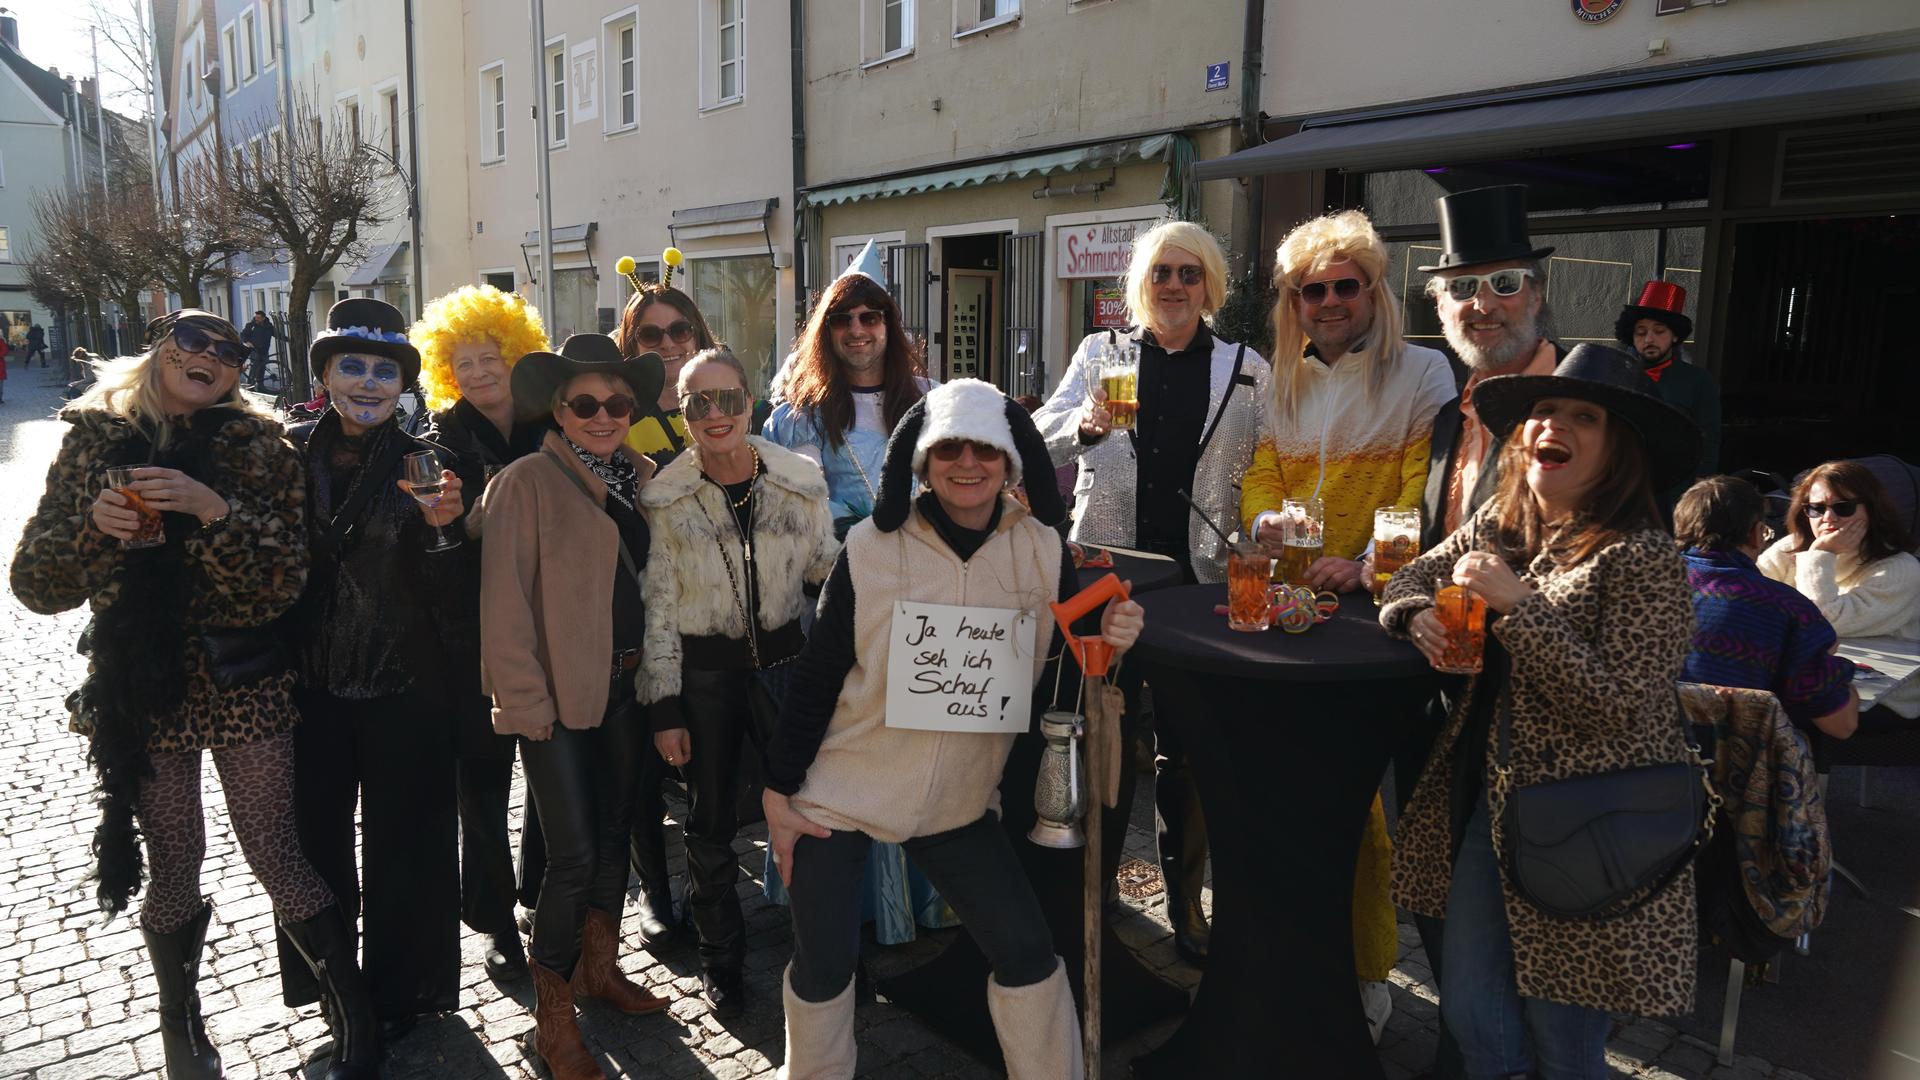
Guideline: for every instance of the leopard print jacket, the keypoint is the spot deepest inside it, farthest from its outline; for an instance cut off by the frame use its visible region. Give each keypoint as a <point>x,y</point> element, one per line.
<point>1595,655</point>
<point>251,567</point>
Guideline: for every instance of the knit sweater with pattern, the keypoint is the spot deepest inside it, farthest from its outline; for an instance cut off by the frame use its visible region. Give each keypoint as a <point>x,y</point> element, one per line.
<point>1751,631</point>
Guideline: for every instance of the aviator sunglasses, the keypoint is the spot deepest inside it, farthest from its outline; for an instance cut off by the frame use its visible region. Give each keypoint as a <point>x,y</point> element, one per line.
<point>950,450</point>
<point>1841,509</point>
<point>1503,283</point>
<point>586,406</point>
<point>678,331</point>
<point>1189,274</point>
<point>1344,289</point>
<point>195,340</point>
<point>700,404</point>
<point>840,320</point>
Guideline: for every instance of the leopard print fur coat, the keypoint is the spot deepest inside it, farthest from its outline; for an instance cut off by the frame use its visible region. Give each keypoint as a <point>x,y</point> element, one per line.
<point>247,569</point>
<point>1596,652</point>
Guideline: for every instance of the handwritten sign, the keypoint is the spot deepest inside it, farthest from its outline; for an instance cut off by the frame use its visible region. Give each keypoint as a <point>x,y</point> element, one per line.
<point>955,668</point>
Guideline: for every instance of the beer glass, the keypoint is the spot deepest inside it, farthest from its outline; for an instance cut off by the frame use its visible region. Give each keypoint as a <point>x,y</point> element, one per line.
<point>1120,382</point>
<point>151,532</point>
<point>426,484</point>
<point>1396,542</point>
<point>1463,613</point>
<point>1247,567</point>
<point>1302,525</point>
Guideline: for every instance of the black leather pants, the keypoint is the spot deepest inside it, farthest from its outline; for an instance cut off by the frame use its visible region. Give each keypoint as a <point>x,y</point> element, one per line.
<point>582,782</point>
<point>719,718</point>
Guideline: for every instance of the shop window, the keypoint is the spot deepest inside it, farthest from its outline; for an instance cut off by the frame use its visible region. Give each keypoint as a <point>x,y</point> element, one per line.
<point>574,300</point>
<point>737,296</point>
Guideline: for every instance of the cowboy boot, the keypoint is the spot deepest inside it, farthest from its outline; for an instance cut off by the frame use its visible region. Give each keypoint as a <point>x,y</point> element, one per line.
<point>598,974</point>
<point>819,1035</point>
<point>1038,1028</point>
<point>327,945</point>
<point>556,1032</point>
<point>176,968</point>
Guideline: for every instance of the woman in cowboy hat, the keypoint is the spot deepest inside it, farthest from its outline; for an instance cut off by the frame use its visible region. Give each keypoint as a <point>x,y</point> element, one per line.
<point>839,778</point>
<point>562,622</point>
<point>1590,620</point>
<point>371,634</point>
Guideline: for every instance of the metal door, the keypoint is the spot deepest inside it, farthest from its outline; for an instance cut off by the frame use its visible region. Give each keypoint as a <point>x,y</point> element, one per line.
<point>1023,370</point>
<point>907,280</point>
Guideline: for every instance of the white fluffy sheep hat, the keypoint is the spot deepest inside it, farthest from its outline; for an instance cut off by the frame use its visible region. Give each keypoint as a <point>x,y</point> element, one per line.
<point>978,412</point>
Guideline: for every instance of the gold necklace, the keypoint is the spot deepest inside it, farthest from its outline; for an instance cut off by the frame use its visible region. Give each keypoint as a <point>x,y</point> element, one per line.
<point>754,475</point>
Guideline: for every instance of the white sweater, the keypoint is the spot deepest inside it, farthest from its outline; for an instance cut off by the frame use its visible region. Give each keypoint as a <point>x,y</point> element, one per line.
<point>1877,599</point>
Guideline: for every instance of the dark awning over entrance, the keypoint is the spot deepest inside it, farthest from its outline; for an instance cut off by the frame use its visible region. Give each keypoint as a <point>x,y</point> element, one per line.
<point>1468,131</point>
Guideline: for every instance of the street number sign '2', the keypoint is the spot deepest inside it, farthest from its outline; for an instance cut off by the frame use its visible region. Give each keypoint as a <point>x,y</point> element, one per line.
<point>1217,75</point>
<point>952,668</point>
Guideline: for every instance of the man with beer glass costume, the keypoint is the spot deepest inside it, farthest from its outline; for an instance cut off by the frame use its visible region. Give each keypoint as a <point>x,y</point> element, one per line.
<point>1197,415</point>
<point>1347,426</point>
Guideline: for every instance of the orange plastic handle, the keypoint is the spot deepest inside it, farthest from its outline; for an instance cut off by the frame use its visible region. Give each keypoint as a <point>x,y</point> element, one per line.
<point>1095,654</point>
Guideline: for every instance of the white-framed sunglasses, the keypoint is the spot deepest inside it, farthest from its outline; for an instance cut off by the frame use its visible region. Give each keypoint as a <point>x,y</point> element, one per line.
<point>1503,283</point>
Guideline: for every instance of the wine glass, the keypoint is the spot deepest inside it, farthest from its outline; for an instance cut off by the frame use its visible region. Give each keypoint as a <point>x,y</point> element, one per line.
<point>425,483</point>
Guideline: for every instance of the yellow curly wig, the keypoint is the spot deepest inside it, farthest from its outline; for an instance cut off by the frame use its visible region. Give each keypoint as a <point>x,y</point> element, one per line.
<point>467,314</point>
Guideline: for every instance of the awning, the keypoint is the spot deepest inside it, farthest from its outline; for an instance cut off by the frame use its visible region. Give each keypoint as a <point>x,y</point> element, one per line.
<point>1471,131</point>
<point>379,267</point>
<point>724,219</point>
<point>1099,156</point>
<point>566,238</point>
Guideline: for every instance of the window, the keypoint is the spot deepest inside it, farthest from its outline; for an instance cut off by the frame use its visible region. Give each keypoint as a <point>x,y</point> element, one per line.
<point>728,51</point>
<point>3,169</point>
<point>575,300</point>
<point>623,74</point>
<point>390,108</point>
<point>229,70</point>
<point>493,111</point>
<point>557,93</point>
<point>889,28</point>
<point>193,85</point>
<point>249,49</point>
<point>737,297</point>
<point>499,279</point>
<point>970,15</point>
<point>6,245</point>
<point>270,31</point>
<point>350,112</point>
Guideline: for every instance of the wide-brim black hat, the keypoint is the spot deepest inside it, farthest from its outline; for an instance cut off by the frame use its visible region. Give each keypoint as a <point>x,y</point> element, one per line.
<point>1484,225</point>
<point>538,374</point>
<point>366,327</point>
<point>1616,382</point>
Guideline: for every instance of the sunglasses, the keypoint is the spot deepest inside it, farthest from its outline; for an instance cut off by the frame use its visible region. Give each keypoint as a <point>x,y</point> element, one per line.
<point>1503,283</point>
<point>1840,509</point>
<point>951,449</point>
<point>700,404</point>
<point>1346,288</point>
<point>195,340</point>
<point>586,406</point>
<point>1189,274</point>
<point>679,331</point>
<point>840,320</point>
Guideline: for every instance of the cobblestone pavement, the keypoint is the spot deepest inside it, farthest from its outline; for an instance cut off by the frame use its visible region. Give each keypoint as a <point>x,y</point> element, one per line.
<point>77,997</point>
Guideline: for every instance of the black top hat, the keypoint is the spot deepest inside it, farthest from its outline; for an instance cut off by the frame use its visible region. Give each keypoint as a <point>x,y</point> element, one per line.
<point>1608,378</point>
<point>367,327</point>
<point>1484,225</point>
<point>538,374</point>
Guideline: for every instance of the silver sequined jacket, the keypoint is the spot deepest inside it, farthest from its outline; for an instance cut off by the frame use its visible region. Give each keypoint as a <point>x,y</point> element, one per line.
<point>1103,493</point>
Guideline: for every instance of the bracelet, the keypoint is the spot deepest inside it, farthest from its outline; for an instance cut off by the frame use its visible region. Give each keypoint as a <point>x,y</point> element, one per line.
<point>217,521</point>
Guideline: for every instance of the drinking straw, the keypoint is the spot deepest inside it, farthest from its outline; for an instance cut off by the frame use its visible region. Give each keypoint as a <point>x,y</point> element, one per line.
<point>1185,498</point>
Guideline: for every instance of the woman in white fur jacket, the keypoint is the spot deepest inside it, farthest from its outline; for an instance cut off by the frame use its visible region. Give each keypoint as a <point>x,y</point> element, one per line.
<point>740,528</point>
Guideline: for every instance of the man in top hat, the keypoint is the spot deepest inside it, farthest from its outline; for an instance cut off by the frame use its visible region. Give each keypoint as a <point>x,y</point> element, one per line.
<point>1654,328</point>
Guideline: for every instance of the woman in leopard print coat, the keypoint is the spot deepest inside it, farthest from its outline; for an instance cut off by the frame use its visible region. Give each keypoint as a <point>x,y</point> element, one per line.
<point>1589,622</point>
<point>233,558</point>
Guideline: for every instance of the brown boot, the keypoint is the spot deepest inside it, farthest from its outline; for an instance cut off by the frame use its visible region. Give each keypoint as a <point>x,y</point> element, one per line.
<point>597,975</point>
<point>556,1036</point>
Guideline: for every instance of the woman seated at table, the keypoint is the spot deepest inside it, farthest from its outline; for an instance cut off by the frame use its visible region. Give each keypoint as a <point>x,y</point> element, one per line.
<point>1589,624</point>
<point>1750,630</point>
<point>839,778</point>
<point>1846,551</point>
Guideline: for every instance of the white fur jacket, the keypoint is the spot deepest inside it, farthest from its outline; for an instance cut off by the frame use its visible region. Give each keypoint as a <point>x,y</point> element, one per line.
<point>687,589</point>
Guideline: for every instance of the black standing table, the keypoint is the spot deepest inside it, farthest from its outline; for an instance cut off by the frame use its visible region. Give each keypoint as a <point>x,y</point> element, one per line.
<point>1289,735</point>
<point>948,992</point>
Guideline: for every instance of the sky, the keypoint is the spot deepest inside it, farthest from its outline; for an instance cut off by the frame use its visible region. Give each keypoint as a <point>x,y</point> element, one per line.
<point>55,34</point>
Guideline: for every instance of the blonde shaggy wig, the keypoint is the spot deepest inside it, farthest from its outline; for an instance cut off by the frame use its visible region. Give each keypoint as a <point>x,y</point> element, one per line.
<point>129,387</point>
<point>468,314</point>
<point>1149,249</point>
<point>1310,248</point>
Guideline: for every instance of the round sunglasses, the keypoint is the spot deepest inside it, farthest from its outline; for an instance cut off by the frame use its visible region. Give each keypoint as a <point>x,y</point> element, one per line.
<point>195,340</point>
<point>678,331</point>
<point>1344,289</point>
<point>586,406</point>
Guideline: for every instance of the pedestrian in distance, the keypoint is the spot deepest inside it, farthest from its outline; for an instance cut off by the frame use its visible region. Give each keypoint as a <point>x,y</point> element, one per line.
<point>6,349</point>
<point>185,659</point>
<point>741,536</point>
<point>563,622</point>
<point>260,334</point>
<point>1589,620</point>
<point>468,341</point>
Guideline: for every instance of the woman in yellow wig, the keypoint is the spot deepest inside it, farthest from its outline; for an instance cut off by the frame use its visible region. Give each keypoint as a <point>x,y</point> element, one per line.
<point>469,340</point>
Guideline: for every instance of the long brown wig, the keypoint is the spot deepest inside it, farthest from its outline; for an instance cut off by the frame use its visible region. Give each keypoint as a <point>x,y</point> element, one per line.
<point>628,335</point>
<point>1621,501</point>
<point>1850,481</point>
<point>816,381</point>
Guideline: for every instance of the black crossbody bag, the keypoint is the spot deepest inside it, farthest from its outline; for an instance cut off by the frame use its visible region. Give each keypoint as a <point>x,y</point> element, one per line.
<point>1602,846</point>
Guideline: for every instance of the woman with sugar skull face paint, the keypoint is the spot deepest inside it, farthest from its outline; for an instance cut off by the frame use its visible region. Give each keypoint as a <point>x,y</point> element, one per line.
<point>374,632</point>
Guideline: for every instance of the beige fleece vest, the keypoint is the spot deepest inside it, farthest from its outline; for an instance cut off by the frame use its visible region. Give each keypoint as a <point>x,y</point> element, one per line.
<point>894,783</point>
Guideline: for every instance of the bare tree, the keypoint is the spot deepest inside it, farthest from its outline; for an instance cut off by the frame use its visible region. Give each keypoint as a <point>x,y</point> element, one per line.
<point>313,197</point>
<point>124,49</point>
<point>82,256</point>
<point>191,242</point>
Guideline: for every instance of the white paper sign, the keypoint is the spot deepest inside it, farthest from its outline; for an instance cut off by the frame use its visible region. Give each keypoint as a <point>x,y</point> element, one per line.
<point>955,668</point>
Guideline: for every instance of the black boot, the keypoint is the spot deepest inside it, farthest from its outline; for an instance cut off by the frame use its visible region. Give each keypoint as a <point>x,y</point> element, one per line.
<point>1183,861</point>
<point>176,968</point>
<point>327,945</point>
<point>506,959</point>
<point>647,851</point>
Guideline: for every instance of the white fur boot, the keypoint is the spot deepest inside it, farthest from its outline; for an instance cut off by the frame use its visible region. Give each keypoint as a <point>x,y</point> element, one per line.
<point>819,1035</point>
<point>1039,1028</point>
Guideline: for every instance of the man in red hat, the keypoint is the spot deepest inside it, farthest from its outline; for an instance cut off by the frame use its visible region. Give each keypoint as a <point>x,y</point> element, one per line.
<point>1654,328</point>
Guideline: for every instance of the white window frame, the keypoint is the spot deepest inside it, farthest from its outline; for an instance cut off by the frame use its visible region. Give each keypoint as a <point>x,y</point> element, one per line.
<point>493,141</point>
<point>612,97</point>
<point>483,273</point>
<point>6,245</point>
<point>270,33</point>
<point>555,117</point>
<point>3,168</point>
<point>873,38</point>
<point>966,23</point>
<point>348,107</point>
<point>711,64</point>
<point>249,46</point>
<point>392,114</point>
<point>229,66</point>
